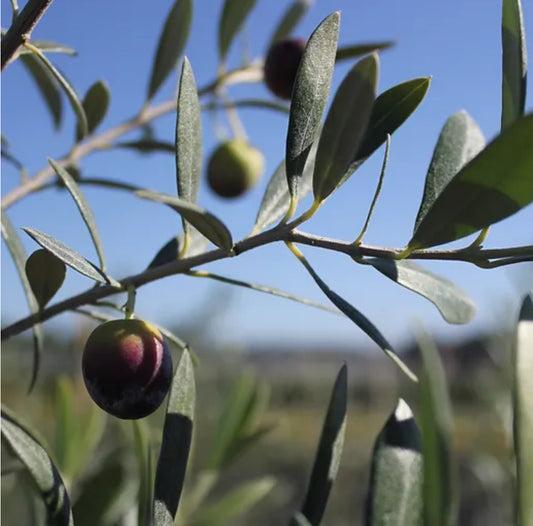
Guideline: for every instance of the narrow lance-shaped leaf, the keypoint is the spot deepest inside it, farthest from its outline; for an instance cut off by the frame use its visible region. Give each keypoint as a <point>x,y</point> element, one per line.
<point>396,478</point>
<point>171,43</point>
<point>440,483</point>
<point>492,186</point>
<point>460,141</point>
<point>18,254</point>
<point>188,139</point>
<point>289,21</point>
<point>45,273</point>
<point>523,411</point>
<point>309,97</point>
<point>47,46</point>
<point>329,452</point>
<point>453,304</point>
<point>47,85</point>
<point>95,104</point>
<point>207,224</point>
<point>234,14</point>
<point>345,126</point>
<point>69,257</point>
<point>144,455</point>
<point>177,435</point>
<point>147,146</point>
<point>41,468</point>
<point>83,207</point>
<point>514,62</point>
<point>67,88</point>
<point>357,50</point>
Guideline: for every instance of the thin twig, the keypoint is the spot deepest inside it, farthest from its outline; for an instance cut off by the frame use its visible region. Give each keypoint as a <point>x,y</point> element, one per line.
<point>20,31</point>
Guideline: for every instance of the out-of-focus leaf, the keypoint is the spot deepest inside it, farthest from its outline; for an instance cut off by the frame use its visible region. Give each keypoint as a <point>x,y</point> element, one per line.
<point>440,483</point>
<point>18,254</point>
<point>95,104</point>
<point>247,103</point>
<point>171,43</point>
<point>47,85</point>
<point>357,50</point>
<point>69,91</point>
<point>208,225</point>
<point>234,14</point>
<point>299,520</point>
<point>289,21</point>
<point>453,304</point>
<point>147,146</point>
<point>45,273</point>
<point>514,62</point>
<point>396,478</point>
<point>329,452</point>
<point>523,411</point>
<point>167,253</point>
<point>345,126</point>
<point>309,97</point>
<point>459,142</point>
<point>69,256</point>
<point>47,46</point>
<point>144,456</point>
<point>83,207</point>
<point>27,448</point>
<point>174,452</point>
<point>234,503</point>
<point>492,186</point>
<point>188,140</point>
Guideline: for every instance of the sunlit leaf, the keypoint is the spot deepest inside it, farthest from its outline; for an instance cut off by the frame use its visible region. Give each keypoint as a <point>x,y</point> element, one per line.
<point>289,21</point>
<point>177,435</point>
<point>45,273</point>
<point>345,126</point>
<point>329,452</point>
<point>171,43</point>
<point>453,304</point>
<point>309,97</point>
<point>396,478</point>
<point>459,142</point>
<point>47,46</point>
<point>523,411</point>
<point>26,447</point>
<point>234,14</point>
<point>514,62</point>
<point>357,50</point>
<point>83,207</point>
<point>494,185</point>
<point>95,104</point>
<point>208,225</point>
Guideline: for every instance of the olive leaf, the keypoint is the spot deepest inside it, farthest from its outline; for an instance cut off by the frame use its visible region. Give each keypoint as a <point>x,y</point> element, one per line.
<point>289,21</point>
<point>234,14</point>
<point>46,274</point>
<point>357,50</point>
<point>95,103</point>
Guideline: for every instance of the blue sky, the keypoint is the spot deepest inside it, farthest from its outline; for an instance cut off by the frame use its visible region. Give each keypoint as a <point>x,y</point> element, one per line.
<point>455,42</point>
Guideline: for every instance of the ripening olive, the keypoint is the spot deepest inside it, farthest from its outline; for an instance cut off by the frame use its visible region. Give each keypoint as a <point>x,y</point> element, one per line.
<point>234,167</point>
<point>127,368</point>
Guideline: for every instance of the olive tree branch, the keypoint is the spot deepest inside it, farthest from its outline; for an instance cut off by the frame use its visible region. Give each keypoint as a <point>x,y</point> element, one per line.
<point>282,232</point>
<point>105,140</point>
<point>20,31</point>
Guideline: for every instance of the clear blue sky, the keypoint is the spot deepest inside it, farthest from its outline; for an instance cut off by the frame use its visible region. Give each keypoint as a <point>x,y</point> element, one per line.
<point>456,42</point>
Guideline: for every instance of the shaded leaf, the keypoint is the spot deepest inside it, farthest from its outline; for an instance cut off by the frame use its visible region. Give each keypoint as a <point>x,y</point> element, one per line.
<point>147,146</point>
<point>345,126</point>
<point>234,14</point>
<point>356,50</point>
<point>144,456</point>
<point>47,85</point>
<point>247,103</point>
<point>494,185</point>
<point>95,104</point>
<point>171,43</point>
<point>309,97</point>
<point>440,481</point>
<point>514,62</point>
<point>18,254</point>
<point>167,253</point>
<point>188,139</point>
<point>27,448</point>
<point>459,142</point>
<point>396,478</point>
<point>208,225</point>
<point>83,207</point>
<point>329,452</point>
<point>45,273</point>
<point>453,304</point>
<point>289,21</point>
<point>523,411</point>
<point>69,256</point>
<point>174,452</point>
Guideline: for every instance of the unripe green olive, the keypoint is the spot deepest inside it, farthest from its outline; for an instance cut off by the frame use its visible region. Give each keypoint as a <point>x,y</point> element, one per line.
<point>127,368</point>
<point>281,65</point>
<point>234,167</point>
